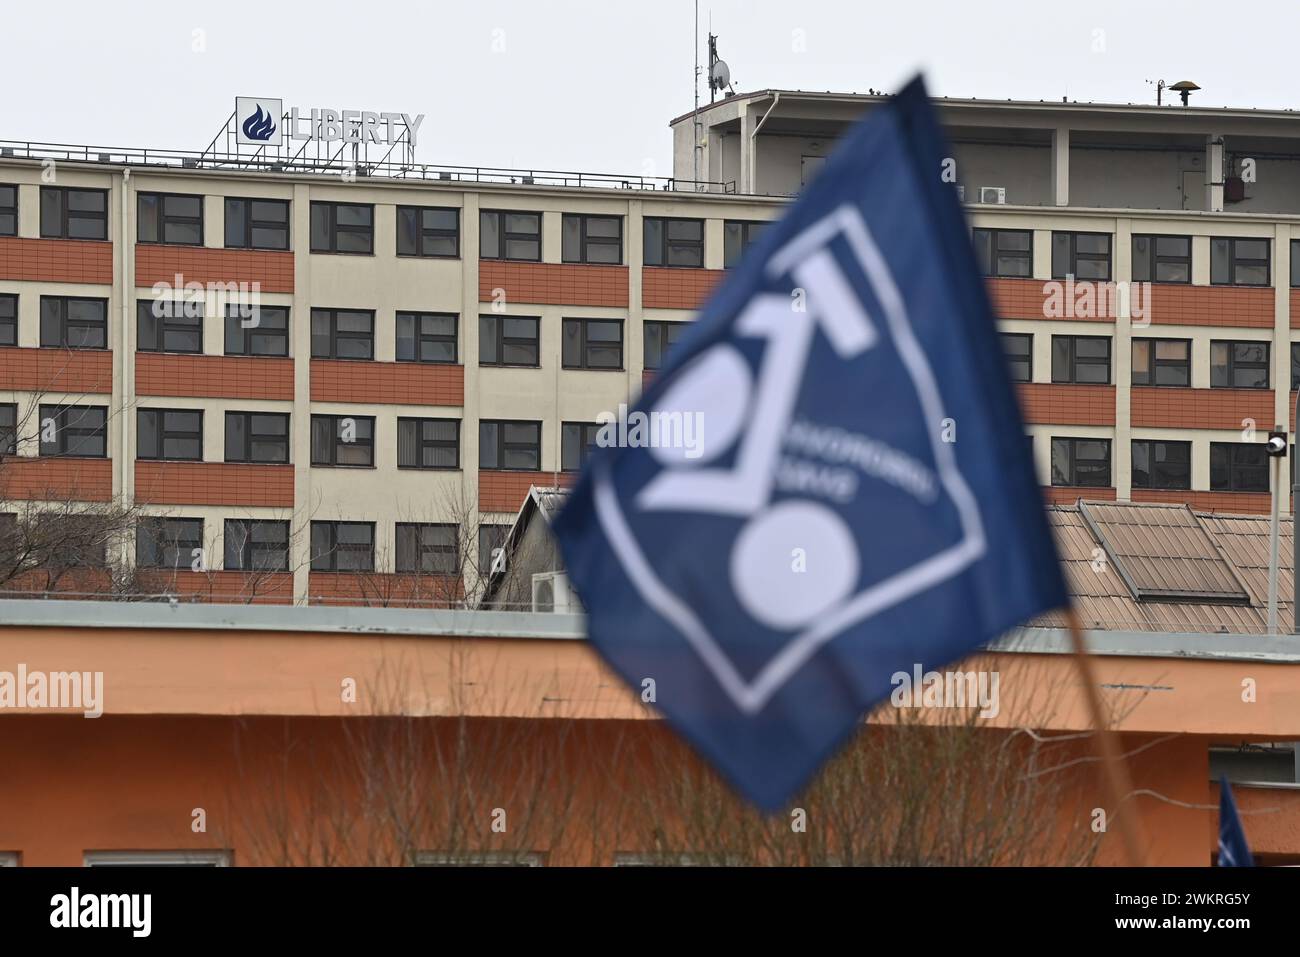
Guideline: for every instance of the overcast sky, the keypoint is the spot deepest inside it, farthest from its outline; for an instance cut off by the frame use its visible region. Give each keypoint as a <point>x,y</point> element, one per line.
<point>592,85</point>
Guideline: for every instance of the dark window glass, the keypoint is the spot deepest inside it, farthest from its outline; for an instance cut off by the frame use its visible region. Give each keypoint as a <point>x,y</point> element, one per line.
<point>1162,362</point>
<point>8,428</point>
<point>659,338</point>
<point>1239,262</point>
<point>1004,252</point>
<point>426,337</point>
<point>8,210</point>
<point>1295,366</point>
<point>593,344</point>
<point>1238,467</point>
<point>74,430</point>
<point>591,239</point>
<point>1019,350</point>
<point>256,545</point>
<point>172,218</point>
<point>257,330</point>
<point>1081,255</point>
<point>343,440</point>
<point>674,242</point>
<point>163,325</point>
<point>342,546</point>
<point>491,539</point>
<point>342,334</point>
<point>169,434</point>
<point>427,549</point>
<point>257,223</point>
<point>577,439</point>
<point>1081,462</point>
<point>510,445</point>
<point>1162,258</point>
<point>68,213</point>
<point>509,234</point>
<point>70,322</point>
<point>1159,464</point>
<point>737,234</point>
<point>257,437</point>
<point>169,542</point>
<point>342,228</point>
<point>1295,263</point>
<point>1238,365</point>
<point>428,443</point>
<point>429,231</point>
<point>1081,359</point>
<point>508,341</point>
<point>8,319</point>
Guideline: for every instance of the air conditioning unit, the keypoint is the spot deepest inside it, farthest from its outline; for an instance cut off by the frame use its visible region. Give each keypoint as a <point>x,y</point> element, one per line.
<point>961,194</point>
<point>995,195</point>
<point>551,593</point>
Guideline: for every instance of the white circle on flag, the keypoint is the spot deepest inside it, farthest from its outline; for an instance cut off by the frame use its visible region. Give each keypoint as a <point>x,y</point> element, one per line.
<point>793,562</point>
<point>704,410</point>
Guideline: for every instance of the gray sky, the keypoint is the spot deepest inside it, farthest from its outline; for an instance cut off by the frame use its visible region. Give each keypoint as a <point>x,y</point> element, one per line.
<point>591,85</point>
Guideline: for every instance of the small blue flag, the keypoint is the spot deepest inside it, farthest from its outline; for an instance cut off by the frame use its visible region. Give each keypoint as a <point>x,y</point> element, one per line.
<point>1233,850</point>
<point>827,483</point>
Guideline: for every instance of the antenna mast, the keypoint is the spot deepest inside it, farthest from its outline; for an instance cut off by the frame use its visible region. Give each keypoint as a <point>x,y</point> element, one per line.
<point>695,118</point>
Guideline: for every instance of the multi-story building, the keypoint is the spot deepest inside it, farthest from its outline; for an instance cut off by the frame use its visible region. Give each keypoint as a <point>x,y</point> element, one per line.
<point>428,342</point>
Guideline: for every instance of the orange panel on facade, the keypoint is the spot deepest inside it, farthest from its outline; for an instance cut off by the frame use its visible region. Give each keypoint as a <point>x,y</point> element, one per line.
<point>272,271</point>
<point>1175,408</point>
<point>56,260</point>
<point>561,284</point>
<point>1231,503</point>
<point>215,377</point>
<point>57,478</point>
<point>234,587</point>
<point>213,483</point>
<point>505,491</point>
<point>1044,403</point>
<point>57,370</point>
<point>387,383</point>
<point>1173,304</point>
<point>382,589</point>
<point>664,288</point>
<point>1070,494</point>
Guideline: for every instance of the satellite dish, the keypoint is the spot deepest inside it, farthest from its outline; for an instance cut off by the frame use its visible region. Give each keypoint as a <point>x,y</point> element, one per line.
<point>720,75</point>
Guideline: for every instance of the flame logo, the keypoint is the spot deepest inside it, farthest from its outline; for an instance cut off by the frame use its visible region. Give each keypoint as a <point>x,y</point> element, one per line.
<point>259,126</point>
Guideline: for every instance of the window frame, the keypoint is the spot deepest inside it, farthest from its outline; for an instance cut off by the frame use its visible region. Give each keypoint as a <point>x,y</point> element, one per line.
<point>334,549</point>
<point>182,324</point>
<point>497,531</point>
<point>250,224</point>
<point>1075,257</point>
<point>505,237</point>
<point>426,234</point>
<point>1154,260</point>
<point>584,447</point>
<point>247,333</point>
<point>1234,485</point>
<point>585,240</point>
<point>62,430</point>
<point>166,219</point>
<point>247,549</point>
<point>333,461</point>
<point>419,338</point>
<point>163,434</point>
<point>250,438</point>
<point>731,254</point>
<point>584,344</point>
<point>145,532</point>
<point>421,442</point>
<point>500,446</point>
<point>1074,361</point>
<point>1155,363</point>
<point>332,227</point>
<point>1234,364</point>
<point>662,326</point>
<point>421,548</point>
<point>500,340</point>
<point>666,243</point>
<point>996,254</point>
<point>9,319</point>
<point>66,215</point>
<point>1151,445</point>
<point>1014,361</point>
<point>8,428</point>
<point>332,314</point>
<point>1073,463</point>
<point>1234,261</point>
<point>65,323</point>
<point>10,209</point>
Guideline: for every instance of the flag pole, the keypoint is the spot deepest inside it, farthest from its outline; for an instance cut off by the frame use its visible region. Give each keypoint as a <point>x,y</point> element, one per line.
<point>1114,771</point>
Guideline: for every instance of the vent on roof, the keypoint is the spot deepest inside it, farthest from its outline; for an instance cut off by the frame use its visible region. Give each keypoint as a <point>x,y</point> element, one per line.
<point>1164,553</point>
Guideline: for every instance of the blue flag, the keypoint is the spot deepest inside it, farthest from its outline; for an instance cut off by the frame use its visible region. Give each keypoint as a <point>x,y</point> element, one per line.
<point>827,483</point>
<point>1233,851</point>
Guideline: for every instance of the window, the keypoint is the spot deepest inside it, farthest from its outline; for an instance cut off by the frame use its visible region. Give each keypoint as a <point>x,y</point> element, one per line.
<point>504,234</point>
<point>428,231</point>
<point>1295,366</point>
<point>1239,262</point>
<point>593,344</point>
<point>342,546</point>
<point>342,334</point>
<point>69,322</point>
<point>256,545</point>
<point>343,440</point>
<point>1081,255</point>
<point>8,428</point>
<point>507,341</point>
<point>426,337</point>
<point>1162,362</point>
<point>257,330</point>
<point>1295,263</point>
<point>1162,259</point>
<point>168,542</point>
<point>659,338</point>
<point>510,445</point>
<point>674,242</point>
<point>342,228</point>
<point>1019,349</point>
<point>1081,462</point>
<point>491,539</point>
<point>737,234</point>
<point>8,210</point>
<point>257,223</point>
<point>428,443</point>
<point>257,437</point>
<point>1081,359</point>
<point>157,859</point>
<point>8,320</point>
<point>68,213</point>
<point>577,439</point>
<point>1239,365</point>
<point>174,435</point>
<point>1238,467</point>
<point>169,218</point>
<point>74,430</point>
<point>166,326</point>
<point>1165,465</point>
<point>427,549</point>
<point>592,239</point>
<point>1004,252</point>
<point>71,540</point>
